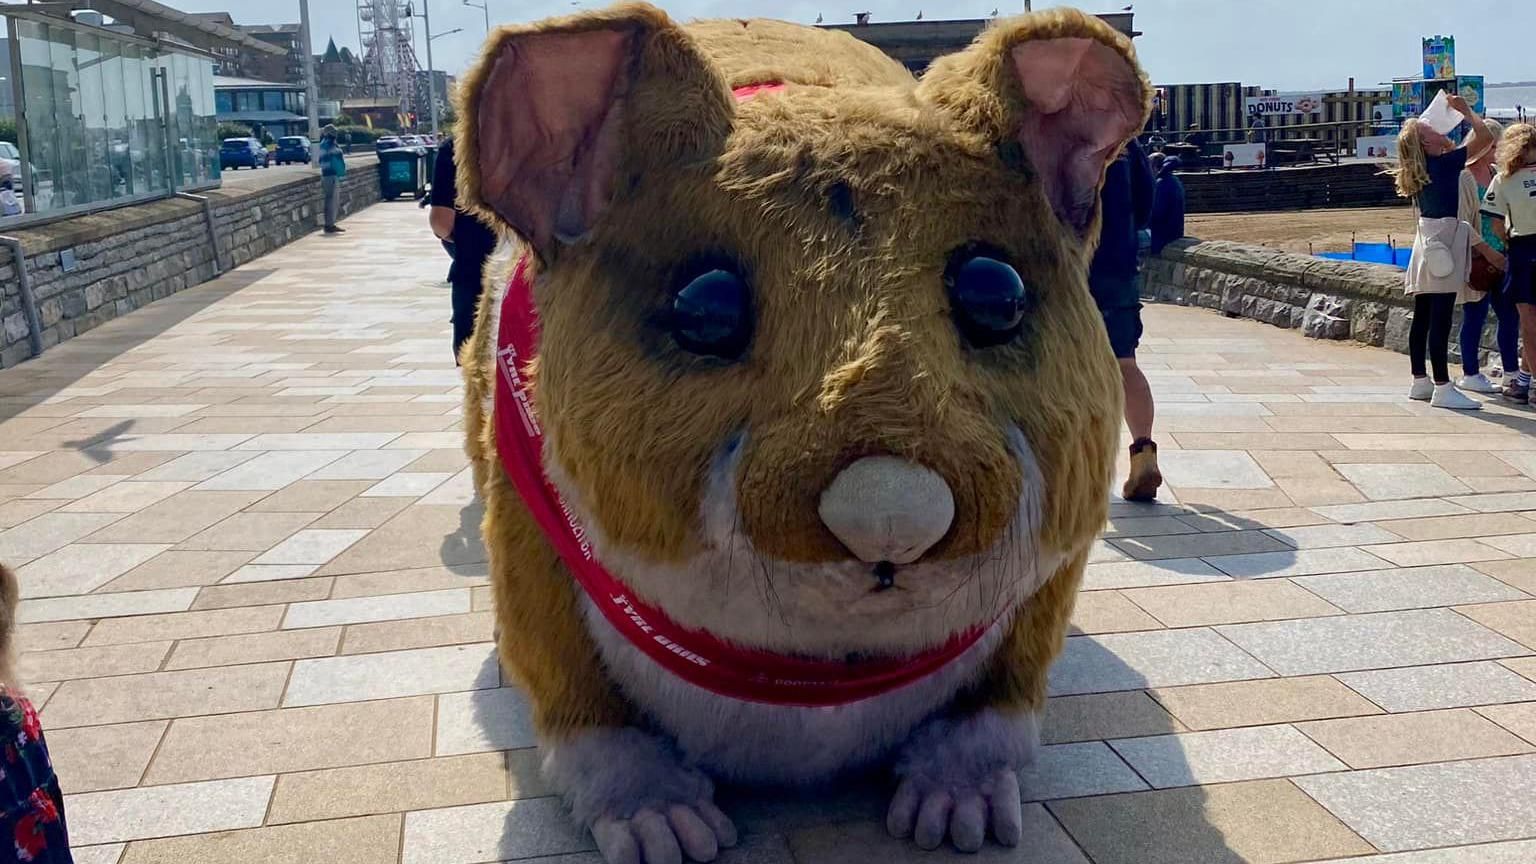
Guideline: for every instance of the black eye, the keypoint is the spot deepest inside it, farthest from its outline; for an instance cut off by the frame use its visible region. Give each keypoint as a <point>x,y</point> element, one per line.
<point>712,315</point>
<point>988,297</point>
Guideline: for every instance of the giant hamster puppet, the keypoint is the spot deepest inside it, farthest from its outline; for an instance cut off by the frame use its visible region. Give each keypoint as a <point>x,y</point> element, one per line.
<point>796,420</point>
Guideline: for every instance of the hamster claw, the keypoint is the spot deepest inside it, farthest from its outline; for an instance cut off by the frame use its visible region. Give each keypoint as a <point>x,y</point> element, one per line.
<point>929,813</point>
<point>692,832</point>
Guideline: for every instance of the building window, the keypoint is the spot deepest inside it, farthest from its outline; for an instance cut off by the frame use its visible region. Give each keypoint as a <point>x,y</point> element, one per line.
<point>224,101</point>
<point>271,100</point>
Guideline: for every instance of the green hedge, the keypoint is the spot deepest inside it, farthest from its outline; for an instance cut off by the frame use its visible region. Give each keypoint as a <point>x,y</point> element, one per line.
<point>233,130</point>
<point>360,134</point>
<point>8,130</point>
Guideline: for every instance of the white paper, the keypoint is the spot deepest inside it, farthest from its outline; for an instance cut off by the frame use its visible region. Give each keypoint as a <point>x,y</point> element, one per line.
<point>1440,116</point>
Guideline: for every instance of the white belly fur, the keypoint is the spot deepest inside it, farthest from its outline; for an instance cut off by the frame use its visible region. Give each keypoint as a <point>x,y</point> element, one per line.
<point>752,742</point>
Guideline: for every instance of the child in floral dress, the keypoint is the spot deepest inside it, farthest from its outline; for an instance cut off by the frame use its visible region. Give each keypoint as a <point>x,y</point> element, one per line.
<point>31,806</point>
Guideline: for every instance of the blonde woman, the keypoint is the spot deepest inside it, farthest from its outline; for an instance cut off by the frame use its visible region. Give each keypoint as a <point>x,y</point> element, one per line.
<point>1511,201</point>
<point>1429,173</point>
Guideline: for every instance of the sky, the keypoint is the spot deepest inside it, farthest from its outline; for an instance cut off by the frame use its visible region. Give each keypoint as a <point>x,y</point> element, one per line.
<point>1287,45</point>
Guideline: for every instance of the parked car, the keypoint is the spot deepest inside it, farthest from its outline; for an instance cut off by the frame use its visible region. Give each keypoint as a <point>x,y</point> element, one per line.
<point>388,142</point>
<point>10,163</point>
<point>292,148</point>
<point>411,141</point>
<point>243,153</point>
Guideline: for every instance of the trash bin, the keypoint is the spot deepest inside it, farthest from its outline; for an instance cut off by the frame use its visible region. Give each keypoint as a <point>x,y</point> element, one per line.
<point>401,172</point>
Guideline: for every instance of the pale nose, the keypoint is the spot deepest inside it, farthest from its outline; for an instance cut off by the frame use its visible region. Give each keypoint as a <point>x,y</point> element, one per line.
<point>887,509</point>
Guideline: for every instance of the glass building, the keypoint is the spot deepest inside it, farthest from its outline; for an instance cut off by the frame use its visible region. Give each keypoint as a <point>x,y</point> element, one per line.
<point>262,105</point>
<point>107,117</point>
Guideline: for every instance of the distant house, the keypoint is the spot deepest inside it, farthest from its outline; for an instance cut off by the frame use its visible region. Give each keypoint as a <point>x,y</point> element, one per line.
<point>288,66</point>
<point>247,62</point>
<point>262,105</point>
<point>338,74</point>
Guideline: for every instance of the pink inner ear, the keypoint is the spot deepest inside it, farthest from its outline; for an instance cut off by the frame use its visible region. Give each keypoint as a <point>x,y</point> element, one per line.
<point>549,130</point>
<point>1085,101</point>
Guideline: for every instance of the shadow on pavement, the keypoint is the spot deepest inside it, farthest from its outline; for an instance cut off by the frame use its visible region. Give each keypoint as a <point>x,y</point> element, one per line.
<point>71,360</point>
<point>462,551</point>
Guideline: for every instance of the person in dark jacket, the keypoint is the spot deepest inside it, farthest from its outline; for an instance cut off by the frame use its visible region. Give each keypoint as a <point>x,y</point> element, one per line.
<point>1167,222</point>
<point>1126,205</point>
<point>472,243</point>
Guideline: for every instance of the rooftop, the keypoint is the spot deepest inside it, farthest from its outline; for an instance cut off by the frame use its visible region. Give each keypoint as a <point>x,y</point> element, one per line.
<point>266,29</point>
<point>148,17</point>
<point>224,82</point>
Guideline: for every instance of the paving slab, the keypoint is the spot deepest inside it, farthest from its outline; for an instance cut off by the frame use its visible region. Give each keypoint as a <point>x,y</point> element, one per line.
<point>1441,804</point>
<point>259,629</point>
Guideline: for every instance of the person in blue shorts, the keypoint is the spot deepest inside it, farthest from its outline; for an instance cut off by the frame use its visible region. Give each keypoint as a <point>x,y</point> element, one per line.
<point>1126,204</point>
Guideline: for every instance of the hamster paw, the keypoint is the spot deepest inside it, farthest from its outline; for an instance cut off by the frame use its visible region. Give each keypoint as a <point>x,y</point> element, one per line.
<point>663,834</point>
<point>643,805</point>
<point>959,777</point>
<point>927,812</point>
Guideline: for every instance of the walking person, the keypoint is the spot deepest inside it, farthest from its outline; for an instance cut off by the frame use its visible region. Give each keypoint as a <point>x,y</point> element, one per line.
<point>468,241</point>
<point>1126,202</point>
<point>1429,173</point>
<point>1487,279</point>
<point>333,166</point>
<point>1511,200</point>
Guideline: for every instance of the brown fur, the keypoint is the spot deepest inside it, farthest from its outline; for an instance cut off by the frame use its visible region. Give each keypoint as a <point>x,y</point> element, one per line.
<point>854,353</point>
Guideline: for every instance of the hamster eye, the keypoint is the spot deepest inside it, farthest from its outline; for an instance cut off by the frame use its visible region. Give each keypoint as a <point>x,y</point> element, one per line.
<point>712,315</point>
<point>988,298</point>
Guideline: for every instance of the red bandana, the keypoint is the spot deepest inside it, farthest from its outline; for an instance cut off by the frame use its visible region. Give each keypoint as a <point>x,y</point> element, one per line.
<point>695,656</point>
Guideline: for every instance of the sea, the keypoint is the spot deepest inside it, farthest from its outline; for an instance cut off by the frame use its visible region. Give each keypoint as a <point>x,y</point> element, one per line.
<point>1509,98</point>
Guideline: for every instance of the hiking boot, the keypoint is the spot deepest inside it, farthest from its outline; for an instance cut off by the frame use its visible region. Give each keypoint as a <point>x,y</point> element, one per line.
<point>1145,478</point>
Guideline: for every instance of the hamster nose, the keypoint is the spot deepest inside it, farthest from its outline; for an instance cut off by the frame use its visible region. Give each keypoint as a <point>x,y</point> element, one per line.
<point>887,509</point>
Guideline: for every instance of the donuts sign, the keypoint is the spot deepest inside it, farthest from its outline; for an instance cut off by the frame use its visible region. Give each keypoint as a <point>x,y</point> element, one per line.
<point>1295,103</point>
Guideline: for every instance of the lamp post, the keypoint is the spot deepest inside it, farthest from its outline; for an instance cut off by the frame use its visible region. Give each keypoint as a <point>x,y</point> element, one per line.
<point>311,98</point>
<point>483,7</point>
<point>426,22</point>
<point>432,76</point>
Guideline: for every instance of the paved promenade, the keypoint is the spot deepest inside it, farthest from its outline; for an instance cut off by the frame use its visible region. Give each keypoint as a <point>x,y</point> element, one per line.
<point>256,602</point>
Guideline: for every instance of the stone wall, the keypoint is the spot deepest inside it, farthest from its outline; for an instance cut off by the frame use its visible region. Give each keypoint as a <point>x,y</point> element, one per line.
<point>131,256</point>
<point>1325,299</point>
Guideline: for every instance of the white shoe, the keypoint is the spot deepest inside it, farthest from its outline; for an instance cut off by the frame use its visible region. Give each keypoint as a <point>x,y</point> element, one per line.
<point>1477,384</point>
<point>1422,389</point>
<point>1447,396</point>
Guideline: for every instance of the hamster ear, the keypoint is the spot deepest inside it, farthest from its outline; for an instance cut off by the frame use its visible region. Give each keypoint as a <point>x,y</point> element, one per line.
<point>1062,86</point>
<point>552,113</point>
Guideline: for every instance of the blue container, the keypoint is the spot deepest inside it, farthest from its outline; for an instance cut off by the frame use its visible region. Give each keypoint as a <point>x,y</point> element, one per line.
<point>1373,253</point>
